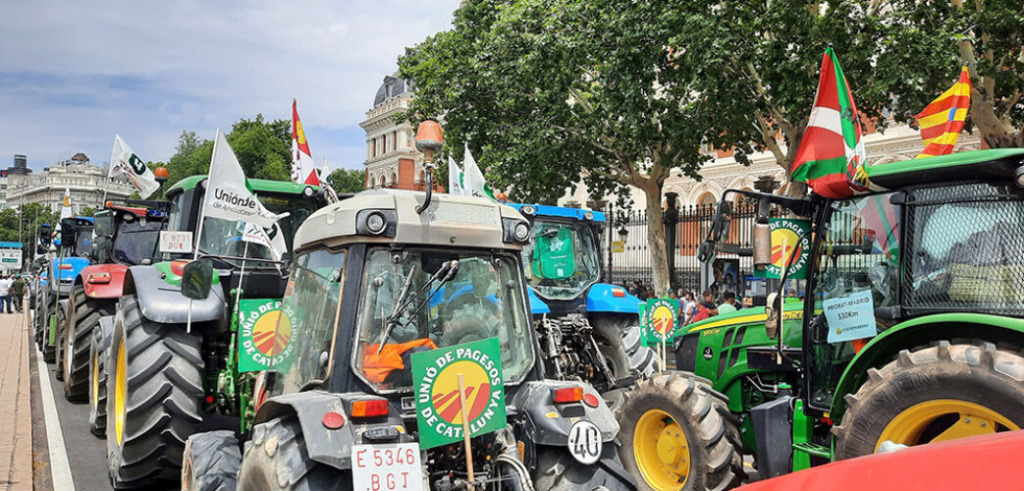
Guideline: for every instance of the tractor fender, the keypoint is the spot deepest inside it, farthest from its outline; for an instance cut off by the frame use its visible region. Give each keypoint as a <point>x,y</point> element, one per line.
<point>66,276</point>
<point>163,303</point>
<point>332,447</point>
<point>549,423</point>
<point>921,331</point>
<point>603,297</point>
<point>102,280</point>
<point>537,306</point>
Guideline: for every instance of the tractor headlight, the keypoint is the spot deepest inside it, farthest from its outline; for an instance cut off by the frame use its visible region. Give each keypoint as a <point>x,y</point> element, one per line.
<point>527,210</point>
<point>516,231</point>
<point>376,222</point>
<point>588,216</point>
<point>307,192</point>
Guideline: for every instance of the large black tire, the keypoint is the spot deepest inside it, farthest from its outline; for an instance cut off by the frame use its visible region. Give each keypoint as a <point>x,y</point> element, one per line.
<point>99,344</point>
<point>160,395</point>
<point>211,461</point>
<point>276,459</point>
<point>62,320</point>
<point>83,316</point>
<point>557,470</point>
<point>710,431</point>
<point>980,374</point>
<point>49,352</point>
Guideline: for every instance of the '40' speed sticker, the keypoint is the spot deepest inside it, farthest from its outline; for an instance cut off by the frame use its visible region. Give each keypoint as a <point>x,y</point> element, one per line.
<point>585,442</point>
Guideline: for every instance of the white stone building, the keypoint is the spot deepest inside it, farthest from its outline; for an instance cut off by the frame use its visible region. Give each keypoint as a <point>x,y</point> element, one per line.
<point>88,184</point>
<point>392,160</point>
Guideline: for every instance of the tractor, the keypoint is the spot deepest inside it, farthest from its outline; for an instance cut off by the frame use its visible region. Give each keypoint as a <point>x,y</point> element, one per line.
<point>589,330</point>
<point>171,364</point>
<point>377,280</point>
<point>74,250</point>
<point>910,332</point>
<point>124,236</point>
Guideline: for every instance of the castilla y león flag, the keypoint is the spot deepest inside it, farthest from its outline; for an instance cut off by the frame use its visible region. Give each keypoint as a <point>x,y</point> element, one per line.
<point>303,169</point>
<point>831,155</point>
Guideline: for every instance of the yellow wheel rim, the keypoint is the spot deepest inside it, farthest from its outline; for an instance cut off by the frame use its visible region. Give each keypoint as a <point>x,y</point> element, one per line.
<point>941,420</point>
<point>120,392</point>
<point>95,380</point>
<point>661,451</point>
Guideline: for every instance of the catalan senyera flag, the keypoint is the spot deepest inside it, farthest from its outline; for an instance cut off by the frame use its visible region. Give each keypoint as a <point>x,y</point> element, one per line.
<point>943,119</point>
<point>831,155</point>
<point>303,168</point>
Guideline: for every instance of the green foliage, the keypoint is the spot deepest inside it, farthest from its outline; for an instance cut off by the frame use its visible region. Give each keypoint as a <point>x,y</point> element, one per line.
<point>348,180</point>
<point>9,230</point>
<point>88,211</point>
<point>263,149</point>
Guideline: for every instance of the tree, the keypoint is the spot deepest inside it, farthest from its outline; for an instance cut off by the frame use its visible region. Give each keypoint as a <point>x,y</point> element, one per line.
<point>263,149</point>
<point>348,180</point>
<point>545,92</point>
<point>929,41</point>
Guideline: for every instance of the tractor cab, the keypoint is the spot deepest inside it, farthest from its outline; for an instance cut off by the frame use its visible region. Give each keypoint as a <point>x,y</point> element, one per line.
<point>912,304</point>
<point>75,244</point>
<point>128,235</point>
<point>384,276</point>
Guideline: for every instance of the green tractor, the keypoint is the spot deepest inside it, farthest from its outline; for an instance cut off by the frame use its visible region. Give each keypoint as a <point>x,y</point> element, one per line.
<point>911,331</point>
<point>171,363</point>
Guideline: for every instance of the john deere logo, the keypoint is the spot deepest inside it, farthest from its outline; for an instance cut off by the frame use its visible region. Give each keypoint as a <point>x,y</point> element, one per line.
<point>790,246</point>
<point>263,342</point>
<point>439,409</point>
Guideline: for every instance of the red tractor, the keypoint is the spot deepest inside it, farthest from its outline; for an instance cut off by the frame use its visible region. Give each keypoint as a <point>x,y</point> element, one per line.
<point>124,236</point>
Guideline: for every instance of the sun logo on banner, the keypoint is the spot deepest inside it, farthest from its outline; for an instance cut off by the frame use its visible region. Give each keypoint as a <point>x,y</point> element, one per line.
<point>270,337</point>
<point>445,393</point>
<point>785,244</point>
<point>664,319</point>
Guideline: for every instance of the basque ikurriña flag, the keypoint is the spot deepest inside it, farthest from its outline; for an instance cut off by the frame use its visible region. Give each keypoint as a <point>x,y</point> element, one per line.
<point>943,119</point>
<point>831,155</point>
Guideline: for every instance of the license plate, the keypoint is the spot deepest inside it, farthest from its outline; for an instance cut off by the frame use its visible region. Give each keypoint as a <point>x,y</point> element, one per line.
<point>387,467</point>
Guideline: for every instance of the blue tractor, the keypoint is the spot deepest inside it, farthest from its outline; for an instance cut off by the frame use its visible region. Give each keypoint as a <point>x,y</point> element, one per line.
<point>589,330</point>
<point>74,250</point>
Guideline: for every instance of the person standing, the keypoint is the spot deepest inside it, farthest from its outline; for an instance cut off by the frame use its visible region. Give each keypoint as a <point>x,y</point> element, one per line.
<point>5,293</point>
<point>18,291</point>
<point>689,307</point>
<point>729,305</point>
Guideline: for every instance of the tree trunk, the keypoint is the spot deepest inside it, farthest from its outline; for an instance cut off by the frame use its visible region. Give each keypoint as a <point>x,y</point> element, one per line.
<point>656,239</point>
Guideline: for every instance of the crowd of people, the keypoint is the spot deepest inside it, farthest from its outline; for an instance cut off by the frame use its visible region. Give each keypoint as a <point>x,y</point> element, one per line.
<point>712,302</point>
<point>12,293</point>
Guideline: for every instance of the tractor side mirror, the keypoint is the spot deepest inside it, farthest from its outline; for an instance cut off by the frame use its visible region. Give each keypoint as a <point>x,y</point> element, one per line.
<point>773,310</point>
<point>68,232</point>
<point>104,225</point>
<point>722,221</point>
<point>197,279</point>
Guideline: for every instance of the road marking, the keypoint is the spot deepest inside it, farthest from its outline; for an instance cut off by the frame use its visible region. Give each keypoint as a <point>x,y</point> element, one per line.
<point>60,467</point>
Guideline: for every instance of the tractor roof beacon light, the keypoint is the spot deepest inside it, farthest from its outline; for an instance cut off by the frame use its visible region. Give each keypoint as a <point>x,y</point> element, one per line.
<point>161,175</point>
<point>429,139</point>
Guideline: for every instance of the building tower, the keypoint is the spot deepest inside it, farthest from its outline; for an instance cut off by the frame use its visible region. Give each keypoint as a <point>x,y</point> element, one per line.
<point>391,157</point>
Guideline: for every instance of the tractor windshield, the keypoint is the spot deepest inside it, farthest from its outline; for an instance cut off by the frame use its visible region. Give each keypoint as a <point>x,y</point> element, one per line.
<point>83,241</point>
<point>562,259</point>
<point>137,240</point>
<point>483,299</point>
<point>224,237</point>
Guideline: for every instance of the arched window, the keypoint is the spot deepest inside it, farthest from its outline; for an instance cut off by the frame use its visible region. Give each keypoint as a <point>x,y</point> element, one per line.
<point>372,184</point>
<point>394,179</point>
<point>706,199</point>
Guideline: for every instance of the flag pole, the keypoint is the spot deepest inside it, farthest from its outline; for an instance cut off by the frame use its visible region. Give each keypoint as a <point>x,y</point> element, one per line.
<point>465,429</point>
<point>241,278</point>
<point>202,209</point>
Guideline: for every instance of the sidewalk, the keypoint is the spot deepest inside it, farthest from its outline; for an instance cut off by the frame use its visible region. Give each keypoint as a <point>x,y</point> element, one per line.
<point>15,417</point>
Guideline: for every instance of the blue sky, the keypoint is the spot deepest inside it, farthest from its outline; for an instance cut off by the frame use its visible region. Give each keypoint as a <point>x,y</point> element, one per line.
<point>74,74</point>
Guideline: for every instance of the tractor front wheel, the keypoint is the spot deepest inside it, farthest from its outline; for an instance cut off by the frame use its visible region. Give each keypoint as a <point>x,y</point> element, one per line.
<point>98,354</point>
<point>154,392</point>
<point>677,434</point>
<point>276,459</point>
<point>211,461</point>
<point>942,392</point>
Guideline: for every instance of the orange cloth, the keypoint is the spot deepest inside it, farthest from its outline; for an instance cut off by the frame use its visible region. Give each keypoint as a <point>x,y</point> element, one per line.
<point>377,367</point>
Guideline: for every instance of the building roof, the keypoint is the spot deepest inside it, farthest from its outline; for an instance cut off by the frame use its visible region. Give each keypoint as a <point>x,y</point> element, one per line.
<point>391,87</point>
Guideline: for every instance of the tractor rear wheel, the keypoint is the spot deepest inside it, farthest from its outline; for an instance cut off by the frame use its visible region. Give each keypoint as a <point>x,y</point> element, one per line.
<point>276,459</point>
<point>557,470</point>
<point>49,352</point>
<point>676,433</point>
<point>83,316</point>
<point>941,392</point>
<point>62,320</point>
<point>211,461</point>
<point>154,392</point>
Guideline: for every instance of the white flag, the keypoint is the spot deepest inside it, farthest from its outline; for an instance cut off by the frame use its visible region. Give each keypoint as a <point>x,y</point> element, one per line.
<point>124,161</point>
<point>473,180</point>
<point>454,177</point>
<point>255,234</point>
<point>325,172</point>
<point>227,195</point>
<point>65,209</point>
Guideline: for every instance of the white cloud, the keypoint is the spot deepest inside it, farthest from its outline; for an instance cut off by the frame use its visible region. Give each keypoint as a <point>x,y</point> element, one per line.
<point>74,73</point>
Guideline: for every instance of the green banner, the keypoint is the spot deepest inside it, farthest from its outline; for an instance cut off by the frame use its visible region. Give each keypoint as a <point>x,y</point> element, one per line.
<point>263,341</point>
<point>435,376</point>
<point>790,237</point>
<point>660,321</point>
